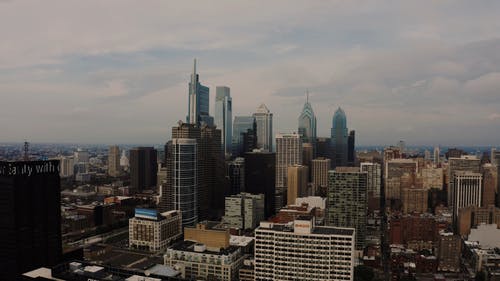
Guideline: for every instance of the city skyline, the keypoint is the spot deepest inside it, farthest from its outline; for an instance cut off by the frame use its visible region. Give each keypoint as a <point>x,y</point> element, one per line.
<point>422,80</point>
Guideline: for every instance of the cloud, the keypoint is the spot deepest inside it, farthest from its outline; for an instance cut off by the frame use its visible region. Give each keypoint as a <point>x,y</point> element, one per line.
<point>494,116</point>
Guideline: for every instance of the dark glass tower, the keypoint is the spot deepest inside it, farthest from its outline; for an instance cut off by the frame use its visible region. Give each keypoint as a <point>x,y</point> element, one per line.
<point>198,104</point>
<point>351,151</point>
<point>339,138</point>
<point>260,173</point>
<point>30,216</point>
<point>143,167</point>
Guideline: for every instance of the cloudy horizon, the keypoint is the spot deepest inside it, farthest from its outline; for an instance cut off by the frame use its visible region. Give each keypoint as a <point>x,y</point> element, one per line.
<point>118,71</point>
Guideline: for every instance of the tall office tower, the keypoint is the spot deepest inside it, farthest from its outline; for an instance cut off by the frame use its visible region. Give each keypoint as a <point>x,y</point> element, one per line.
<point>351,151</point>
<point>373,184</point>
<point>67,166</point>
<point>347,201</point>
<point>307,123</point>
<point>324,148</point>
<point>339,138</point>
<point>236,174</point>
<point>398,174</point>
<point>264,120</point>
<point>248,140</point>
<point>465,191</point>
<point>241,125</point>
<point>30,216</point>
<point>437,155</point>
<point>489,184</point>
<point>288,153</point>
<point>185,181</point>
<point>297,179</point>
<point>319,175</point>
<point>244,210</point>
<point>463,163</point>
<point>260,173</point>
<point>114,161</point>
<point>199,100</point>
<point>224,116</point>
<point>143,168</point>
<point>307,157</point>
<point>303,251</point>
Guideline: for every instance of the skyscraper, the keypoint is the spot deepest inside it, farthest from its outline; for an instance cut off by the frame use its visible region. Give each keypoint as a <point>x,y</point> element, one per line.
<point>465,191</point>
<point>236,174</point>
<point>143,168</point>
<point>320,167</point>
<point>297,182</point>
<point>260,172</point>
<point>463,163</point>
<point>114,161</point>
<point>264,119</point>
<point>339,138</point>
<point>351,151</point>
<point>185,181</point>
<point>307,123</point>
<point>199,100</point>
<point>224,116</point>
<point>241,125</point>
<point>288,153</point>
<point>30,216</point>
<point>373,184</point>
<point>347,200</point>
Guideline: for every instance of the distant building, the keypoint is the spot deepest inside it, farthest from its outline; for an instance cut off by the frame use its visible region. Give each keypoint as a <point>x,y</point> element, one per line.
<point>339,138</point>
<point>260,172</point>
<point>30,216</point>
<point>199,99</point>
<point>465,191</point>
<point>143,168</point>
<point>399,174</point>
<point>264,120</point>
<point>351,151</point>
<point>307,123</point>
<point>373,184</point>
<point>347,201</point>
<point>241,125</point>
<point>236,174</point>
<point>437,155</point>
<point>67,166</point>
<point>288,153</point>
<point>224,116</point>
<point>324,148</point>
<point>320,167</point>
<point>489,184</point>
<point>114,161</point>
<point>244,210</point>
<point>432,178</point>
<point>303,251</point>
<point>460,163</point>
<point>152,231</point>
<point>450,247</point>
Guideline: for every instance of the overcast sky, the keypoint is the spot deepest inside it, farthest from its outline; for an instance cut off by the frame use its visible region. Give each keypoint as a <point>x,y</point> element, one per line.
<point>99,71</point>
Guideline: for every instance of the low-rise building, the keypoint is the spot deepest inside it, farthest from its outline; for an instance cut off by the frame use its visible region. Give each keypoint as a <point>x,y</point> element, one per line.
<point>150,230</point>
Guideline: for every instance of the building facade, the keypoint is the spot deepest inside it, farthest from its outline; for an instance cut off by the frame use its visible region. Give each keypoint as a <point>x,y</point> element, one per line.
<point>373,184</point>
<point>114,168</point>
<point>241,125</point>
<point>143,168</point>
<point>307,123</point>
<point>244,210</point>
<point>303,251</point>
<point>465,191</point>
<point>264,120</point>
<point>288,153</point>
<point>224,117</point>
<point>149,230</point>
<point>339,138</point>
<point>198,102</point>
<point>260,173</point>
<point>297,182</point>
<point>319,173</point>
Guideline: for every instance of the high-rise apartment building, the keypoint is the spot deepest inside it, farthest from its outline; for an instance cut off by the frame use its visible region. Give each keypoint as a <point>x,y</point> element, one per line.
<point>114,168</point>
<point>462,163</point>
<point>465,191</point>
<point>373,184</point>
<point>67,166</point>
<point>260,173</point>
<point>185,179</point>
<point>319,174</point>
<point>224,117</point>
<point>303,251</point>
<point>297,179</point>
<point>152,231</point>
<point>339,138</point>
<point>264,120</point>
<point>241,125</point>
<point>244,210</point>
<point>199,99</point>
<point>288,153</point>
<point>143,168</point>
<point>347,201</point>
<point>307,123</point>
<point>30,216</point>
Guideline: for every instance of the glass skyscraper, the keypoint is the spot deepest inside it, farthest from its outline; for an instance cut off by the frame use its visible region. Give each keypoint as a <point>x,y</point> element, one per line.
<point>339,138</point>
<point>241,125</point>
<point>224,116</point>
<point>307,123</point>
<point>199,100</point>
<point>264,120</point>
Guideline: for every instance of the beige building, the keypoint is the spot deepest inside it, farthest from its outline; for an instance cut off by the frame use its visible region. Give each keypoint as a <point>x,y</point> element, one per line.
<point>297,182</point>
<point>432,178</point>
<point>114,168</point>
<point>319,173</point>
<point>208,233</point>
<point>152,231</point>
<point>399,174</point>
<point>414,200</point>
<point>288,153</point>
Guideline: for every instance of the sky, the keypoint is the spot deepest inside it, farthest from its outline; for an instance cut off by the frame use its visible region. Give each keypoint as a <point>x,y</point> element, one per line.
<point>93,71</point>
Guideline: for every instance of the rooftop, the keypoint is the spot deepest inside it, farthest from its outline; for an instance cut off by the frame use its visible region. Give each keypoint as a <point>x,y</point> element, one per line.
<point>188,246</point>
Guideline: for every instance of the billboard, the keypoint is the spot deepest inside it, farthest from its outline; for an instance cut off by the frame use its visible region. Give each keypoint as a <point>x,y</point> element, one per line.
<point>146,213</point>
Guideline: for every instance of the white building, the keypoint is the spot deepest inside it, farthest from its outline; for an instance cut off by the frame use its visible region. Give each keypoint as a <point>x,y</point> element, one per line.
<point>152,231</point>
<point>301,251</point>
<point>465,191</point>
<point>244,210</point>
<point>264,120</point>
